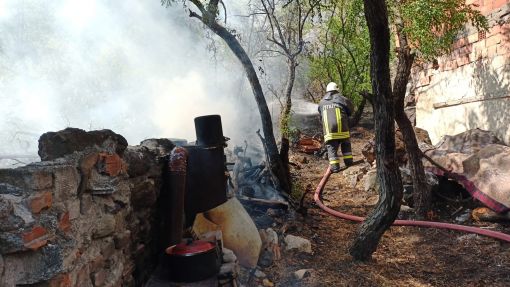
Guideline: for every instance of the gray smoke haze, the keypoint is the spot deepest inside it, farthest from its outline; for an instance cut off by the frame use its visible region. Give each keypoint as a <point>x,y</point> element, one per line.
<point>131,66</point>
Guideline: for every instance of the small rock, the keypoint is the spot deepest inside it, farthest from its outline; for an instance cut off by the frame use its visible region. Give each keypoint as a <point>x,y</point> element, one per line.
<point>228,268</point>
<point>467,237</point>
<point>370,182</point>
<point>271,236</point>
<point>353,180</point>
<point>229,256</point>
<point>266,258</point>
<point>161,146</point>
<point>405,208</point>
<point>464,217</point>
<point>405,174</point>
<point>267,283</point>
<point>259,274</point>
<point>302,273</point>
<point>299,243</point>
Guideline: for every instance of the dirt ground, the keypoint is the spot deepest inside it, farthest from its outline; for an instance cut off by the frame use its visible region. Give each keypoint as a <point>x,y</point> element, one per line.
<point>406,256</point>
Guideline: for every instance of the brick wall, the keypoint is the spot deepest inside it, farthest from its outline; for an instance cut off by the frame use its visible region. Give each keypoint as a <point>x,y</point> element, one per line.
<point>469,87</point>
<point>84,219</point>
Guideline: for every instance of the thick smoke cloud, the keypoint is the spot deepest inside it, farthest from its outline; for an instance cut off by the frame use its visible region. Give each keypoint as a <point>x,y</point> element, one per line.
<point>130,66</point>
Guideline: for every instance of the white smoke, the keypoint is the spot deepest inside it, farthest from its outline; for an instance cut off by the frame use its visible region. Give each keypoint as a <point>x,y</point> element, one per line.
<point>131,66</point>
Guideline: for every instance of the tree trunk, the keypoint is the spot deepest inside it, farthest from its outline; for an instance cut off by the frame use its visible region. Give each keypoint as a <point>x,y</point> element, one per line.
<point>267,126</point>
<point>285,114</point>
<point>421,191</point>
<point>390,193</point>
<point>354,120</point>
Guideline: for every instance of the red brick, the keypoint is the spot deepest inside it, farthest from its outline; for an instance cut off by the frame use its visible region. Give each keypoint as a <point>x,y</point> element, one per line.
<point>493,40</point>
<point>111,164</point>
<point>64,223</point>
<point>40,201</point>
<point>62,280</point>
<point>35,238</point>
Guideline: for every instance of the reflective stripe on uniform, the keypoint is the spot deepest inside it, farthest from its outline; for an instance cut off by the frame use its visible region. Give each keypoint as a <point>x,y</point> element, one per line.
<point>338,120</point>
<point>336,136</point>
<point>325,120</point>
<point>334,161</point>
<point>347,156</point>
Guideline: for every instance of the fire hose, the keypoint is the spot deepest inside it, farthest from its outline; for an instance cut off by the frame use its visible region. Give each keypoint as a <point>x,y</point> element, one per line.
<point>419,223</point>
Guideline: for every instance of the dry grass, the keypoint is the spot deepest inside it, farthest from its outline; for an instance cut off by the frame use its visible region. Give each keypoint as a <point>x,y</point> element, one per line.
<point>406,256</point>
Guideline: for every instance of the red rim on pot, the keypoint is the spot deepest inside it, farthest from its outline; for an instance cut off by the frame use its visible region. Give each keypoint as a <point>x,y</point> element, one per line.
<point>190,248</point>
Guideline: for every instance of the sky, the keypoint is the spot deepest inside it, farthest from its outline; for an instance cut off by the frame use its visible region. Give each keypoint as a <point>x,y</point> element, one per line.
<point>135,67</point>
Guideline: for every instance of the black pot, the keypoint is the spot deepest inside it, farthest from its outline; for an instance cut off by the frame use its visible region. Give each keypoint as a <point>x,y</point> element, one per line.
<point>192,261</point>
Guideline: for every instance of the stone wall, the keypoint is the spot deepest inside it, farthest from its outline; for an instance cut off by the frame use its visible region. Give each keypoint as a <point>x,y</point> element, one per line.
<point>83,217</point>
<point>469,88</point>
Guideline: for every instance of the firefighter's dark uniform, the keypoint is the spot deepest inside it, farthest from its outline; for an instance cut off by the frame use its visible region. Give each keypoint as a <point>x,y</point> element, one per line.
<point>335,110</point>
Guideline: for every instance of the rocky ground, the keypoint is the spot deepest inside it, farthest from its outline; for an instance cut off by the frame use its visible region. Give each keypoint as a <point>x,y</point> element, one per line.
<point>406,256</point>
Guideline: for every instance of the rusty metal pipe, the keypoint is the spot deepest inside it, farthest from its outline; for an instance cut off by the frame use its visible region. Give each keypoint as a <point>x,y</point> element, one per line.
<point>177,165</point>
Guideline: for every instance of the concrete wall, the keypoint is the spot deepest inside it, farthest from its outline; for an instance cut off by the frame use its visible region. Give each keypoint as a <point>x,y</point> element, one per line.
<point>477,70</point>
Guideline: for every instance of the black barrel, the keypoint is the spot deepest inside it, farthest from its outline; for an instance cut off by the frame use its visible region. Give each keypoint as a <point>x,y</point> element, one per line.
<point>206,181</point>
<point>209,131</point>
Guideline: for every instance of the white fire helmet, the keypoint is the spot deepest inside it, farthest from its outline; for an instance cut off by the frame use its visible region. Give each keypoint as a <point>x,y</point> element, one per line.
<point>332,87</point>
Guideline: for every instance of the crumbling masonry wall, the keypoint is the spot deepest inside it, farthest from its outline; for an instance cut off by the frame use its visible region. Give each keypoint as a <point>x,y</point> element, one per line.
<point>470,87</point>
<point>85,215</point>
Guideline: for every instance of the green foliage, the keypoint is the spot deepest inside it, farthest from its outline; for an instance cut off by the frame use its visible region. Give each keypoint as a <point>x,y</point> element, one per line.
<point>432,26</point>
<point>342,51</point>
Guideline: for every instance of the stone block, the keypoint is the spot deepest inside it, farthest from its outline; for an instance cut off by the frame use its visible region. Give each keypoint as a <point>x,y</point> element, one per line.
<point>104,226</point>
<point>97,263</point>
<point>26,268</point>
<point>139,160</point>
<point>122,240</point>
<point>40,179</point>
<point>24,180</point>
<point>83,277</point>
<point>10,242</point>
<point>66,182</point>
<point>54,145</point>
<point>99,278</point>
<point>73,206</point>
<point>107,247</point>
<point>40,201</point>
<point>143,194</point>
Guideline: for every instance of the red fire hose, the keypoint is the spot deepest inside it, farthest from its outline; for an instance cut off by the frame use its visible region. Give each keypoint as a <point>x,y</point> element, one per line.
<point>429,224</point>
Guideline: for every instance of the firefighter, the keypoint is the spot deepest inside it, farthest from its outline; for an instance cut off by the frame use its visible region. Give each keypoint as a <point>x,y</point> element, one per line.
<point>335,111</point>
